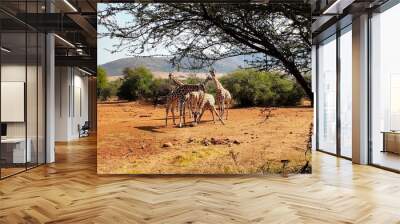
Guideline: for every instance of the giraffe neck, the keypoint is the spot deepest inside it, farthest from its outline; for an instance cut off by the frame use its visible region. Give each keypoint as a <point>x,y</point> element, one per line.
<point>217,83</point>
<point>176,81</point>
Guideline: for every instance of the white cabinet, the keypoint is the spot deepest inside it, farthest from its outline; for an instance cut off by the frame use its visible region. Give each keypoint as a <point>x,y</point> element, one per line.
<point>17,148</point>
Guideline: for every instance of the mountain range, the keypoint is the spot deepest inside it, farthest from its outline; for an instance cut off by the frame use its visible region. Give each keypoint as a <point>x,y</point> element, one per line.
<point>162,65</point>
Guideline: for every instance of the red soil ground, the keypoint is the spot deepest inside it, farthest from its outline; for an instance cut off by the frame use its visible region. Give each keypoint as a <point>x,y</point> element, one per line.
<point>131,138</point>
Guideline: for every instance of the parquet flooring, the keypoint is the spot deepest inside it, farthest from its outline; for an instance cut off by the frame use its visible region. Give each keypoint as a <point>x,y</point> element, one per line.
<point>70,191</point>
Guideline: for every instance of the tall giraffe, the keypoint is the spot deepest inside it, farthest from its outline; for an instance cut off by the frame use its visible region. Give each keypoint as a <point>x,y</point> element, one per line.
<point>223,95</point>
<point>174,102</point>
<point>176,81</point>
<point>172,99</point>
<point>181,92</point>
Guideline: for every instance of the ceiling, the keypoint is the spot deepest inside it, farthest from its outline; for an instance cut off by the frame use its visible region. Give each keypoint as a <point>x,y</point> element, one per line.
<point>74,22</point>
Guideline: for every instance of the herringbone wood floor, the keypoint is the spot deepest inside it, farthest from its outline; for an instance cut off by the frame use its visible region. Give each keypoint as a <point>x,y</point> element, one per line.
<point>70,191</point>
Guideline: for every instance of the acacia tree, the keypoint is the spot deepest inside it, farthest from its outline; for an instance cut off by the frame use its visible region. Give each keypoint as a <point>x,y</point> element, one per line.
<point>270,36</point>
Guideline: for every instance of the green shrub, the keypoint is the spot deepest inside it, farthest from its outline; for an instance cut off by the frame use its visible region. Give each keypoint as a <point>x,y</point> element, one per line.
<point>250,87</point>
<point>114,86</point>
<point>105,94</point>
<point>102,83</point>
<point>136,84</point>
<point>160,88</point>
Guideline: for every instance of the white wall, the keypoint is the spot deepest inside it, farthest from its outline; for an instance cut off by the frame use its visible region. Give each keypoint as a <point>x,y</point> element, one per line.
<point>71,102</point>
<point>14,73</point>
<point>62,82</point>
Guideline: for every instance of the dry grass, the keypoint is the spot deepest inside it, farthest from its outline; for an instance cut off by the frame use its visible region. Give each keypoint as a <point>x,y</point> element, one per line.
<point>131,136</point>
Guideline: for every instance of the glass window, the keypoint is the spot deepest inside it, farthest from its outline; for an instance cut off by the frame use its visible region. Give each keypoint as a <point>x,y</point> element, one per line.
<point>346,92</point>
<point>327,95</point>
<point>385,89</point>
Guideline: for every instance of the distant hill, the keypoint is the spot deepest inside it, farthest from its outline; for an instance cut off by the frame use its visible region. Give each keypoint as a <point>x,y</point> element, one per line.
<point>162,65</point>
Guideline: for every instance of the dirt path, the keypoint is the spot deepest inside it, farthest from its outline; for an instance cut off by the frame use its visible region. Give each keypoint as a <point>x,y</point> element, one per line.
<point>131,138</point>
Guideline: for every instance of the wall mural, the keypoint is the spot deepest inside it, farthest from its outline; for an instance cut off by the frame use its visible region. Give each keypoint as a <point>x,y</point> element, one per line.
<point>201,88</point>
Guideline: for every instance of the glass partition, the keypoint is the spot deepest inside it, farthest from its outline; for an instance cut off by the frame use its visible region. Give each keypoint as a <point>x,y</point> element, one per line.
<point>327,95</point>
<point>385,89</point>
<point>31,98</point>
<point>22,77</point>
<point>13,94</point>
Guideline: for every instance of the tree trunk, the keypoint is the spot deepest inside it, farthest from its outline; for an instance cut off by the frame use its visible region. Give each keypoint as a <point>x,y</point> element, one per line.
<point>300,79</point>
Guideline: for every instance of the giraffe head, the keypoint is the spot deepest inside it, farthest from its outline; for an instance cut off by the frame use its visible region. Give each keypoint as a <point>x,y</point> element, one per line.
<point>212,72</point>
<point>204,83</point>
<point>208,78</point>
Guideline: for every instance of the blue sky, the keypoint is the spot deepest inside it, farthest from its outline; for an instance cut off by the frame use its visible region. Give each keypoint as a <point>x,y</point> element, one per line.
<point>105,44</point>
<point>104,56</point>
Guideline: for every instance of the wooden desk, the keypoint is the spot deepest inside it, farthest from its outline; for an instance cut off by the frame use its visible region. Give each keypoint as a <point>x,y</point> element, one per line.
<point>391,141</point>
<point>13,150</point>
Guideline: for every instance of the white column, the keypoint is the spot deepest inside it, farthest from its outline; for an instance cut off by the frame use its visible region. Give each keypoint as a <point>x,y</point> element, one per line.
<point>50,92</point>
<point>50,99</point>
<point>314,86</point>
<point>360,90</point>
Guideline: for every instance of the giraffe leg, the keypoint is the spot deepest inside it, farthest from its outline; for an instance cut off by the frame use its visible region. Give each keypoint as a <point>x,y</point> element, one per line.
<point>190,109</point>
<point>166,114</point>
<point>202,112</point>
<point>223,110</point>
<point>173,115</point>
<point>219,117</point>
<point>212,113</point>
<point>227,109</point>
<point>181,104</point>
<point>184,111</point>
<point>220,109</point>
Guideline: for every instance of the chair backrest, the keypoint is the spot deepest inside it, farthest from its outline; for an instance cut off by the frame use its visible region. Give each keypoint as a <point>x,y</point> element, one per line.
<point>86,125</point>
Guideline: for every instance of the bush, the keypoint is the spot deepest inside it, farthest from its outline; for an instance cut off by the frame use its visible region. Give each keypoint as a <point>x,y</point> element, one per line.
<point>136,84</point>
<point>160,88</point>
<point>102,83</point>
<point>250,87</point>
<point>114,86</point>
<point>105,94</point>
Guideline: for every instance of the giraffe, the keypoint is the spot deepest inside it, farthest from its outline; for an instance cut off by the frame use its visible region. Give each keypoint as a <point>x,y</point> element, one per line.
<point>223,95</point>
<point>181,93</point>
<point>194,99</point>
<point>176,81</point>
<point>170,105</point>
<point>208,102</point>
<point>189,97</point>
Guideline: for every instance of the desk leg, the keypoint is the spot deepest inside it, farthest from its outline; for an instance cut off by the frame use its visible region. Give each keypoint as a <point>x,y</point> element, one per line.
<point>384,142</point>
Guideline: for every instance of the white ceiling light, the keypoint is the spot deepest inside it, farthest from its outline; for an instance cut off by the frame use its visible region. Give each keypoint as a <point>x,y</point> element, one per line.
<point>85,72</point>
<point>70,5</point>
<point>337,7</point>
<point>65,41</point>
<point>5,50</point>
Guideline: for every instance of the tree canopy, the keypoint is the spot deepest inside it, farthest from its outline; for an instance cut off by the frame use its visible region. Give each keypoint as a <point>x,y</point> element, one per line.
<point>135,84</point>
<point>102,82</point>
<point>271,36</point>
